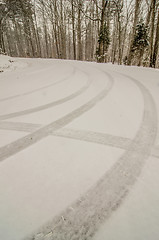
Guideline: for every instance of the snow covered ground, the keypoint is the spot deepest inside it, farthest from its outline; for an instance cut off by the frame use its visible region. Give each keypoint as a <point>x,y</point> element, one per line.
<point>79,151</point>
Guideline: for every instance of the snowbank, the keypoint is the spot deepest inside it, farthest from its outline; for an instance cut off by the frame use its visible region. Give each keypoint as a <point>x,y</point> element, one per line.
<point>8,63</point>
<point>5,62</point>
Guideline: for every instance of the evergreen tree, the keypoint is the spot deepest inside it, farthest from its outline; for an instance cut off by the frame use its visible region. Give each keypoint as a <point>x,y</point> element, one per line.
<point>104,41</point>
<point>140,41</point>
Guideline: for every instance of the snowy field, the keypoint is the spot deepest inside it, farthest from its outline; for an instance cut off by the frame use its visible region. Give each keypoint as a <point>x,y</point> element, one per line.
<point>79,151</point>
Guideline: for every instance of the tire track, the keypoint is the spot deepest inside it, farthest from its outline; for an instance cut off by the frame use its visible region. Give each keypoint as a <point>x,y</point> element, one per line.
<point>82,219</point>
<point>87,136</point>
<point>48,105</point>
<point>18,126</point>
<point>94,137</point>
<point>100,138</point>
<point>41,133</point>
<point>38,89</point>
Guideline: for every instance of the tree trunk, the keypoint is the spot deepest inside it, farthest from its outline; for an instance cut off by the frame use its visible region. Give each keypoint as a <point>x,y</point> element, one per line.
<point>20,47</point>
<point>79,57</point>
<point>2,48</point>
<point>140,57</point>
<point>152,33</point>
<point>36,32</point>
<point>100,48</point>
<point>156,45</point>
<point>149,13</point>
<point>119,41</point>
<point>73,29</point>
<point>62,32</point>
<point>114,43</point>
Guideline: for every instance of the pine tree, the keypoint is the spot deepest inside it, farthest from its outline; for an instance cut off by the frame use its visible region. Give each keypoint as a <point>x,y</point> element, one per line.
<point>104,41</point>
<point>100,53</point>
<point>136,17</point>
<point>140,41</point>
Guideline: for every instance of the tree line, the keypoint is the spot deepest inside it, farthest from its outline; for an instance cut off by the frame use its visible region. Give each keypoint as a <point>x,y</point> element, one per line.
<point>117,31</point>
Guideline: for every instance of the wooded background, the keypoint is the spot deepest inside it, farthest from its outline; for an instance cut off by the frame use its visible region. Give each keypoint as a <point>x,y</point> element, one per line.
<point>117,31</point>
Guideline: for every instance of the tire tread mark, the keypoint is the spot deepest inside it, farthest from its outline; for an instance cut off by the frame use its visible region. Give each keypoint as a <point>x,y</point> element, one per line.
<point>106,196</point>
<point>26,141</point>
<point>38,89</point>
<point>82,135</point>
<point>46,106</point>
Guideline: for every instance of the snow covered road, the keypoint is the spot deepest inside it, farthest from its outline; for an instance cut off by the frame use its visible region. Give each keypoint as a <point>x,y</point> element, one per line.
<point>75,145</point>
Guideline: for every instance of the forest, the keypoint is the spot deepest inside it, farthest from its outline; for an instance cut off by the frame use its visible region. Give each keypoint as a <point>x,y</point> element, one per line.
<point>116,31</point>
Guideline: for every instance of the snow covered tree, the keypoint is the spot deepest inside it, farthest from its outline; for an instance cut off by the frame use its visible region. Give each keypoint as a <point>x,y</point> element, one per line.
<point>104,41</point>
<point>103,34</point>
<point>136,17</point>
<point>140,41</point>
<point>102,30</point>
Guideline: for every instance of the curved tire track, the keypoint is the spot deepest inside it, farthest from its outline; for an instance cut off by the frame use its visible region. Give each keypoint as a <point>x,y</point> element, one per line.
<point>39,89</point>
<point>48,105</point>
<point>36,136</point>
<point>84,217</point>
<point>19,126</point>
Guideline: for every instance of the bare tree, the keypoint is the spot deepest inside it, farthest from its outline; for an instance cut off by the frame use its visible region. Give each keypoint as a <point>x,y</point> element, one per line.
<point>101,30</point>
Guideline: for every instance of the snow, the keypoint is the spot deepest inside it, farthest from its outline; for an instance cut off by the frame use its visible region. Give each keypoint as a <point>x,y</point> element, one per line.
<point>150,78</point>
<point>80,118</point>
<point>8,63</point>
<point>116,118</point>
<point>47,184</point>
<point>139,215</point>
<point>5,62</point>
<point>9,136</point>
